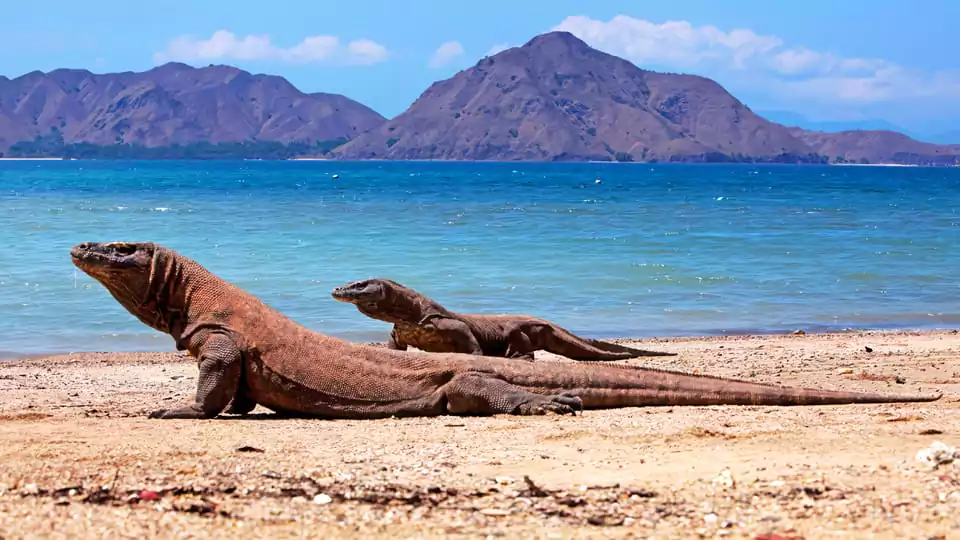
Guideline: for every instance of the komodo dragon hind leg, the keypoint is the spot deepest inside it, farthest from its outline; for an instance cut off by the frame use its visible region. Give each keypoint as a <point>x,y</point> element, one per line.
<point>519,345</point>
<point>220,368</point>
<point>483,393</point>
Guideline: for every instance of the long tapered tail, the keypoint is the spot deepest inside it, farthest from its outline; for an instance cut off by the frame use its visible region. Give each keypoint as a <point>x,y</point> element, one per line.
<point>617,348</point>
<point>604,398</point>
<point>611,385</point>
<point>565,343</point>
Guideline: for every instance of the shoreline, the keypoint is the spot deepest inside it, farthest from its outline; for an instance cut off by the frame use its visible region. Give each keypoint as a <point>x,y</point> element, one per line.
<point>736,335</point>
<point>72,424</point>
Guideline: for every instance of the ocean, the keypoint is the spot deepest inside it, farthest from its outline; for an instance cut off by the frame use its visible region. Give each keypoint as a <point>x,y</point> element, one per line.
<point>603,249</point>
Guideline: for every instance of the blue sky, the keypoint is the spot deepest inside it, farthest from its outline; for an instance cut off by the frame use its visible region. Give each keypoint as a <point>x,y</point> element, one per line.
<point>827,60</point>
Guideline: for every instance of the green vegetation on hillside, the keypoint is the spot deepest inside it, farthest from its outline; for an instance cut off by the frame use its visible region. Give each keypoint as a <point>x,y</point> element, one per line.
<point>53,146</point>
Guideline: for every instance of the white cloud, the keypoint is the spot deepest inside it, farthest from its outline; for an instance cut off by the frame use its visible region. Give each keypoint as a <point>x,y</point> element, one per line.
<point>744,59</point>
<point>366,52</point>
<point>445,54</point>
<point>498,48</point>
<point>225,45</point>
<point>676,43</point>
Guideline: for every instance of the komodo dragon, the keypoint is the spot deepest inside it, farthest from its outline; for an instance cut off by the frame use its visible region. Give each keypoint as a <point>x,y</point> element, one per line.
<point>423,323</point>
<point>249,354</point>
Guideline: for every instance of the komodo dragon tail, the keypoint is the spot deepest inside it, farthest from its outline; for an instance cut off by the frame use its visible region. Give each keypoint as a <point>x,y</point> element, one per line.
<point>611,386</point>
<point>617,348</point>
<point>563,342</point>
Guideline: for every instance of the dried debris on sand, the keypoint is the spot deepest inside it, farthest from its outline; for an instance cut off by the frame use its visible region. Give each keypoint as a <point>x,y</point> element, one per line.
<point>80,458</point>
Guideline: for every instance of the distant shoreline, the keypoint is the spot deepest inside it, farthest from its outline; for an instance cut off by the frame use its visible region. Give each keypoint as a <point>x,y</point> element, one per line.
<point>334,160</point>
<point>882,165</point>
<point>35,159</point>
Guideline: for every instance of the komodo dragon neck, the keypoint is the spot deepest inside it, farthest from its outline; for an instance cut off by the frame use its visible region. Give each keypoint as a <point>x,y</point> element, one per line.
<point>180,298</point>
<point>403,305</point>
<point>170,287</point>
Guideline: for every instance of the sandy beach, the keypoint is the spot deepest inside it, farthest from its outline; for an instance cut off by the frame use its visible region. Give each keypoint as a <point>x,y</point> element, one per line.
<point>80,458</point>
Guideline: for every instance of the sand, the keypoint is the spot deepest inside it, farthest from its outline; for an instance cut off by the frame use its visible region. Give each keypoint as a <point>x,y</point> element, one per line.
<point>79,459</point>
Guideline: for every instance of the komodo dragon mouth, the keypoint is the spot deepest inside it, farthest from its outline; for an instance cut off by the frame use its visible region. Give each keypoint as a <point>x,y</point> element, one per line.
<point>93,255</point>
<point>367,290</point>
<point>366,294</point>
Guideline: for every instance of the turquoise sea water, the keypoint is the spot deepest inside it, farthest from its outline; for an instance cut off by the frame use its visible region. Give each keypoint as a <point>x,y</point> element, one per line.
<point>650,250</point>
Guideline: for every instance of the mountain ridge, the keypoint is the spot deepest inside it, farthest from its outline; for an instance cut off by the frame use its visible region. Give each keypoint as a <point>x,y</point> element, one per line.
<point>173,104</point>
<point>552,99</point>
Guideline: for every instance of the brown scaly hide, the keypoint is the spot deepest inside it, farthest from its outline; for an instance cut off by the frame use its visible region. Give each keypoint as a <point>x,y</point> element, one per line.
<point>249,353</point>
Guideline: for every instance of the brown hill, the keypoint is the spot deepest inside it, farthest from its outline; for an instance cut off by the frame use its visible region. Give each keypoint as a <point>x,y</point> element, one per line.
<point>173,103</point>
<point>555,98</point>
<point>877,146</point>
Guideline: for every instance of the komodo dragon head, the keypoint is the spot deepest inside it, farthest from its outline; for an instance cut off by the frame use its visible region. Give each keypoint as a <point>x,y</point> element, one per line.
<point>366,293</point>
<point>385,300</point>
<point>137,274</point>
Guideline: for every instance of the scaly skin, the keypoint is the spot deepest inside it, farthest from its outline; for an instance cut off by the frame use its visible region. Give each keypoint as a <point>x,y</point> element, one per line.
<point>421,322</point>
<point>249,354</point>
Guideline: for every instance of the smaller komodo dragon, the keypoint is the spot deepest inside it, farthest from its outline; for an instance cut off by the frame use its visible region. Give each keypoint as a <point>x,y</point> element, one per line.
<point>250,354</point>
<point>421,322</point>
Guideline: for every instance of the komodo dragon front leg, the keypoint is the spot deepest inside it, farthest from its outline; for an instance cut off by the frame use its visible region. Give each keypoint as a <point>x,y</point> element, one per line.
<point>455,331</point>
<point>395,342</point>
<point>221,364</point>
<point>241,404</point>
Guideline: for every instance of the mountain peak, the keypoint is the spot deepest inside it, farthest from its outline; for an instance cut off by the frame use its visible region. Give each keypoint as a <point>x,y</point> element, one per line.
<point>557,43</point>
<point>174,66</point>
<point>556,37</point>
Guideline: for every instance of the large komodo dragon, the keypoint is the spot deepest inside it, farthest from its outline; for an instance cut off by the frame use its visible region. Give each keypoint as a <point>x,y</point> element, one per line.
<point>421,322</point>
<point>250,354</point>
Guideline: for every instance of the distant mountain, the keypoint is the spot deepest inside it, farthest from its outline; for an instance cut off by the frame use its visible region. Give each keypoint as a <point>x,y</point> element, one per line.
<point>878,147</point>
<point>552,99</point>
<point>791,119</point>
<point>555,99</point>
<point>173,104</point>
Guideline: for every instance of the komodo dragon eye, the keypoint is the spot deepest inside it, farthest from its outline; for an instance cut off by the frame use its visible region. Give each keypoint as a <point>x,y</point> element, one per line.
<point>125,249</point>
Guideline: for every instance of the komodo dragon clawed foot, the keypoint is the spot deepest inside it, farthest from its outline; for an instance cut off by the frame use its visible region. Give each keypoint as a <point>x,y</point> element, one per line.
<point>560,404</point>
<point>190,412</point>
<point>484,393</point>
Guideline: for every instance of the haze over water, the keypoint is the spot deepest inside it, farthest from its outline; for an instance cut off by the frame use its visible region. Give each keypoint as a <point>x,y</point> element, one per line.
<point>650,250</point>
